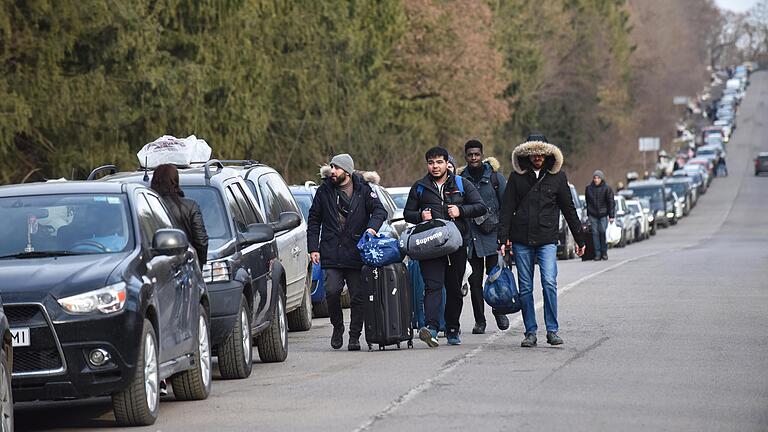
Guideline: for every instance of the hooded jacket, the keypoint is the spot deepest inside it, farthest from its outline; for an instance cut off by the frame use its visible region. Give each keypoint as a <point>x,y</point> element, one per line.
<point>186,213</point>
<point>470,203</point>
<point>600,202</point>
<point>532,218</point>
<point>492,192</point>
<point>338,245</point>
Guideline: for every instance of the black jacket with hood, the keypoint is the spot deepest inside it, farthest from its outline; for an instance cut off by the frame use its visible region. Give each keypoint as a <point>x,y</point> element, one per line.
<point>491,186</point>
<point>186,213</point>
<point>470,203</point>
<point>600,200</point>
<point>338,246</point>
<point>532,218</point>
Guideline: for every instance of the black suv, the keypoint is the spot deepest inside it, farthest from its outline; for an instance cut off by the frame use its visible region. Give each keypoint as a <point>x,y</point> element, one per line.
<point>246,281</point>
<point>103,297</point>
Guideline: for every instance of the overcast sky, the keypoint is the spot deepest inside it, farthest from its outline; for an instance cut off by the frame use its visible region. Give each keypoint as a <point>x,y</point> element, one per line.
<point>736,5</point>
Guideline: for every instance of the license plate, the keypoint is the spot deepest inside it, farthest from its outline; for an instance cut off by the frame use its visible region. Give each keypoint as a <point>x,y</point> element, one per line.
<point>20,337</point>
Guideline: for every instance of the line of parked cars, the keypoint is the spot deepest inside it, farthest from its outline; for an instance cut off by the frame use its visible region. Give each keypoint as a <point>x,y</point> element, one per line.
<point>103,295</point>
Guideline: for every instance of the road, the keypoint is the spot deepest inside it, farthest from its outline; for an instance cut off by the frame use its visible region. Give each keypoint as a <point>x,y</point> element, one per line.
<point>669,334</point>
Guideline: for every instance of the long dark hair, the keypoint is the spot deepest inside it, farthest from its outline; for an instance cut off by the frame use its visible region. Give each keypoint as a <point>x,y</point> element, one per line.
<point>165,181</point>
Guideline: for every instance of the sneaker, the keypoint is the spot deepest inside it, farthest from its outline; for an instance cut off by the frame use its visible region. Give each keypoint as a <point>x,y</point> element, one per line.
<point>597,258</point>
<point>553,338</point>
<point>453,337</point>
<point>337,338</point>
<point>429,336</point>
<point>529,341</point>
<point>354,344</point>
<point>478,329</point>
<point>605,256</point>
<point>502,322</point>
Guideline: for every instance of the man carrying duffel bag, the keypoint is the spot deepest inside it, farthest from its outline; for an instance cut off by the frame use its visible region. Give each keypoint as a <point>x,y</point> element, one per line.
<point>441,195</point>
<point>344,207</point>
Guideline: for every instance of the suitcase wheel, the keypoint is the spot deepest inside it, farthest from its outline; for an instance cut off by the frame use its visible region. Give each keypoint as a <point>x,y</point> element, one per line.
<point>382,347</point>
<point>410,344</point>
<point>398,345</point>
<point>370,347</point>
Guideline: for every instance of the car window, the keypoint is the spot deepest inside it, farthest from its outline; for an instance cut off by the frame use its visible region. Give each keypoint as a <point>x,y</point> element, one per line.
<point>272,207</point>
<point>214,214</point>
<point>400,199</point>
<point>234,208</point>
<point>283,194</point>
<point>163,220</point>
<point>305,202</point>
<point>246,206</point>
<point>146,221</point>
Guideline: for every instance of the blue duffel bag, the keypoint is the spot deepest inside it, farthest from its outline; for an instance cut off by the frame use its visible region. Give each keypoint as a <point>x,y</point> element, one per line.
<point>500,290</point>
<point>378,250</point>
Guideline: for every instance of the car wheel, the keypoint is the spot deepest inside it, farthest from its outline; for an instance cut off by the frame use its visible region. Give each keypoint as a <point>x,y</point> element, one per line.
<point>6,395</point>
<point>273,343</point>
<point>195,383</point>
<point>236,352</point>
<point>138,404</point>
<point>320,309</point>
<point>301,318</point>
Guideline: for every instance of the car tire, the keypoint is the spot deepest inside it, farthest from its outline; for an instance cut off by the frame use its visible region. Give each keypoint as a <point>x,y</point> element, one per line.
<point>273,343</point>
<point>138,404</point>
<point>6,395</point>
<point>301,318</point>
<point>320,309</point>
<point>195,383</point>
<point>236,351</point>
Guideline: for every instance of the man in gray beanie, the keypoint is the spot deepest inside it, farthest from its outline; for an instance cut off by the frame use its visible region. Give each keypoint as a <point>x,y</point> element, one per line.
<point>601,209</point>
<point>344,207</point>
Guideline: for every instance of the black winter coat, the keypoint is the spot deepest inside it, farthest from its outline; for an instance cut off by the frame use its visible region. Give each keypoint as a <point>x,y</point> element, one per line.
<point>470,203</point>
<point>338,246</point>
<point>186,213</point>
<point>600,200</point>
<point>532,219</point>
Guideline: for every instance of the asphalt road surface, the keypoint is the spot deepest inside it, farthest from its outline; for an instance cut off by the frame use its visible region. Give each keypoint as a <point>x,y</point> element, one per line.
<point>669,334</point>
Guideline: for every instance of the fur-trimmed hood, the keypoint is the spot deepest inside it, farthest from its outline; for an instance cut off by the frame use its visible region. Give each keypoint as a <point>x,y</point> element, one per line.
<point>368,176</point>
<point>490,160</point>
<point>553,162</point>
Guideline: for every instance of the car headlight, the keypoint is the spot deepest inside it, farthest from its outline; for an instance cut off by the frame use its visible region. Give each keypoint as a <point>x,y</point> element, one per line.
<point>650,218</point>
<point>216,271</point>
<point>109,299</point>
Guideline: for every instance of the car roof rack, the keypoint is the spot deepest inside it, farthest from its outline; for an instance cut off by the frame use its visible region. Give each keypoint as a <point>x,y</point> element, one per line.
<point>207,168</point>
<point>111,169</point>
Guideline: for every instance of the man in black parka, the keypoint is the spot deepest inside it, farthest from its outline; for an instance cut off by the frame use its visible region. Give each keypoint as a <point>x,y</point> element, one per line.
<point>344,207</point>
<point>537,191</point>
<point>438,196</point>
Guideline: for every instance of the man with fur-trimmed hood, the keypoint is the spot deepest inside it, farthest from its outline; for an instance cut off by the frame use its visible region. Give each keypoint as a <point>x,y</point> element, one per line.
<point>537,190</point>
<point>344,207</point>
<point>484,174</point>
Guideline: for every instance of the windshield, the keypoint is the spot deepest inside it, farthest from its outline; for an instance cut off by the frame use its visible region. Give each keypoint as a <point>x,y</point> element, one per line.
<point>652,194</point>
<point>214,215</point>
<point>679,188</point>
<point>635,208</point>
<point>399,199</point>
<point>46,225</point>
<point>305,202</point>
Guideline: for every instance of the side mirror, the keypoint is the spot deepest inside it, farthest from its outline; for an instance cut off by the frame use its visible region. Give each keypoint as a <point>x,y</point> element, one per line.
<point>257,233</point>
<point>169,241</point>
<point>287,221</point>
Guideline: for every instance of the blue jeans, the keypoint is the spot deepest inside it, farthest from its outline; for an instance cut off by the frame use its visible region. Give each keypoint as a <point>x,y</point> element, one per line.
<point>525,258</point>
<point>599,225</point>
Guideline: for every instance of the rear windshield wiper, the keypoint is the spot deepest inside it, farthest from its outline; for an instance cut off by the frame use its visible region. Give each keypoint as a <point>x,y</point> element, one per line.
<point>40,254</point>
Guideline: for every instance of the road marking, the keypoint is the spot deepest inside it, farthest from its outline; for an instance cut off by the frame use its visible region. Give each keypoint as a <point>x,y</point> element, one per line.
<point>454,363</point>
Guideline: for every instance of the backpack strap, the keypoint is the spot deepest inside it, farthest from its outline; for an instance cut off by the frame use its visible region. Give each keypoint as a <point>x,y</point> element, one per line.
<point>419,189</point>
<point>459,183</point>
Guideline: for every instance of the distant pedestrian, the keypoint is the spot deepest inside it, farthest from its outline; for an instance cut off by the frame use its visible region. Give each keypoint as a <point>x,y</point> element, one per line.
<point>344,208</point>
<point>601,209</point>
<point>483,173</point>
<point>722,168</point>
<point>438,196</point>
<point>185,212</point>
<point>537,191</point>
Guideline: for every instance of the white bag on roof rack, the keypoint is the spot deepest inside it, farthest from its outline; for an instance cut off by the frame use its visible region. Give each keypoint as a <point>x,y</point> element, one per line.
<point>171,150</point>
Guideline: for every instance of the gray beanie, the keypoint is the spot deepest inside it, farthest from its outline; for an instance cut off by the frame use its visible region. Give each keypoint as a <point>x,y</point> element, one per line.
<point>600,174</point>
<point>345,162</point>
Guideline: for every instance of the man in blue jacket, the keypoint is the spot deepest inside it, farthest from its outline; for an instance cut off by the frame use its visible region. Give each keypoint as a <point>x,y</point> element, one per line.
<point>439,196</point>
<point>483,173</point>
<point>344,207</point>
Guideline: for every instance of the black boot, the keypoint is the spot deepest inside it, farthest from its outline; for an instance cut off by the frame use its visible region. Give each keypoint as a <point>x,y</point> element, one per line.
<point>502,322</point>
<point>354,343</point>
<point>479,328</point>
<point>554,339</point>
<point>337,338</point>
<point>529,341</point>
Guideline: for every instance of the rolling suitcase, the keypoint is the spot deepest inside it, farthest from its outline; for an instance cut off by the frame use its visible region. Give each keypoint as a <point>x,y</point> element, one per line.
<point>589,251</point>
<point>388,309</point>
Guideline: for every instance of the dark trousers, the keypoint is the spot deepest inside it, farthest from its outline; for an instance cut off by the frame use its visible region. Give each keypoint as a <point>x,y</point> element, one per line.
<point>334,285</point>
<point>480,267</point>
<point>445,271</point>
